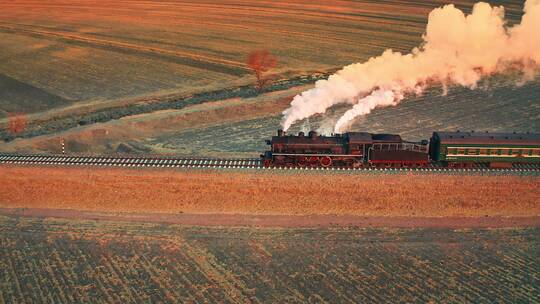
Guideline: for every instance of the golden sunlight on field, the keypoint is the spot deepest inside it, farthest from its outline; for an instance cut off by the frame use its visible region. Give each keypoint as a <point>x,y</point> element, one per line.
<point>130,48</point>
<point>175,191</point>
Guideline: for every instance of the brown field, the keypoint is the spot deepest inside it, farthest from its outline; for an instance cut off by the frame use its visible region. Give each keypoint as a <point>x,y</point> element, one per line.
<point>87,52</point>
<point>55,260</point>
<point>176,191</point>
<point>130,48</point>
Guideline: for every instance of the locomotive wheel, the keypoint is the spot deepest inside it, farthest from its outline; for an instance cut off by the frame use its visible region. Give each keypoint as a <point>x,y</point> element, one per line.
<point>313,161</point>
<point>353,163</point>
<point>267,163</point>
<point>326,161</point>
<point>302,161</point>
<point>279,160</point>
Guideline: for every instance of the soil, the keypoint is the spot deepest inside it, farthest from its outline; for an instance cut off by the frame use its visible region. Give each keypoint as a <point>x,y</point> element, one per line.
<point>285,221</point>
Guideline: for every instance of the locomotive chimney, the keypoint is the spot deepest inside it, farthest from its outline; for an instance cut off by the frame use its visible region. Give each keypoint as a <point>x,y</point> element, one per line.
<point>301,134</point>
<point>312,134</point>
<point>280,132</point>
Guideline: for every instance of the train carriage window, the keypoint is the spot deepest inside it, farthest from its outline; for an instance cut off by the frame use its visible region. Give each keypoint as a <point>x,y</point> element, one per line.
<point>472,151</point>
<point>483,152</point>
<point>461,152</point>
<point>494,152</point>
<point>452,151</point>
<point>536,152</point>
<point>516,151</point>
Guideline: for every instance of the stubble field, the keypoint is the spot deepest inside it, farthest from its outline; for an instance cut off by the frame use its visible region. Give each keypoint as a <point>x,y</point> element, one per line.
<point>89,51</point>
<point>66,261</point>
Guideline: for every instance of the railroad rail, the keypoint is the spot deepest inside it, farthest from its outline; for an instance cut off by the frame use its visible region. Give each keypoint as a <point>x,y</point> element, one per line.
<point>232,163</point>
<point>158,162</point>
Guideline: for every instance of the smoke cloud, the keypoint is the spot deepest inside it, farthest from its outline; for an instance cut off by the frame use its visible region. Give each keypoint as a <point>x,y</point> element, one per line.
<point>458,49</point>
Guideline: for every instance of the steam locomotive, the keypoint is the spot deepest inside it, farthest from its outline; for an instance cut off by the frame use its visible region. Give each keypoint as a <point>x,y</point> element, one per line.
<point>361,149</point>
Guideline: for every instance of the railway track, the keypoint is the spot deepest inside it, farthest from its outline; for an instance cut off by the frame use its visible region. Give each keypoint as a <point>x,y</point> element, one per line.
<point>229,163</point>
<point>158,162</point>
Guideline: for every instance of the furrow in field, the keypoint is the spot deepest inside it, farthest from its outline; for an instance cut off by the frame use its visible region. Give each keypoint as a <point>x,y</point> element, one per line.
<point>214,272</point>
<point>191,59</point>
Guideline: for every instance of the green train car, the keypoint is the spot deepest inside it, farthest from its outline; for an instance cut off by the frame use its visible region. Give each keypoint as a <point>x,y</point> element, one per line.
<point>462,149</point>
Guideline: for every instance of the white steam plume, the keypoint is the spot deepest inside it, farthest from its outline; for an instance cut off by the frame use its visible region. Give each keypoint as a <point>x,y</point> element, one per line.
<point>457,49</point>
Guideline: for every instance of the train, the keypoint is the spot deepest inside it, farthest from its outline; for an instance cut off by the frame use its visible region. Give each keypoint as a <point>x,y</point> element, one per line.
<point>362,149</point>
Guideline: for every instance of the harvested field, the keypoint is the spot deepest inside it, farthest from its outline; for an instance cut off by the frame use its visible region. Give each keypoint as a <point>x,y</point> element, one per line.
<point>130,48</point>
<point>66,261</point>
<point>186,191</point>
<point>16,96</point>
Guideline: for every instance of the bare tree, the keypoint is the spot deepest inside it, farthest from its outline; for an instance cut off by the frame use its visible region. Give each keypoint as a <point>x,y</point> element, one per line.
<point>261,62</point>
<point>17,123</point>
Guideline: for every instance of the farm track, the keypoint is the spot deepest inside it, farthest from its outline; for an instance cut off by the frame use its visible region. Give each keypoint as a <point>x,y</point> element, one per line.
<point>237,163</point>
